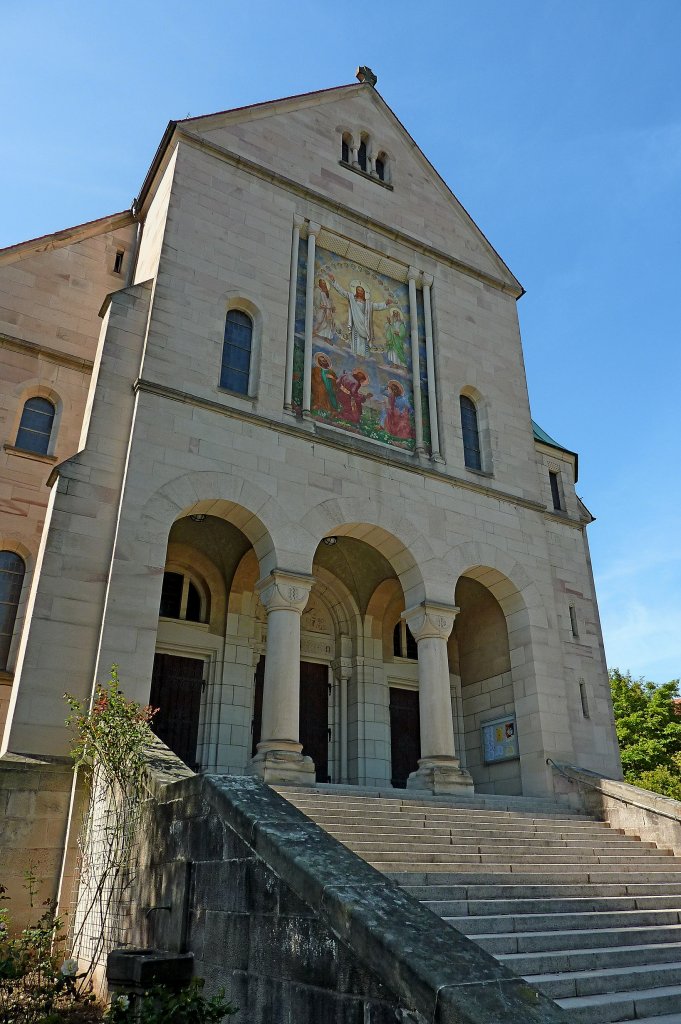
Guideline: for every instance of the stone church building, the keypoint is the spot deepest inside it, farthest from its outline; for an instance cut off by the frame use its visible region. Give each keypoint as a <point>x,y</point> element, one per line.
<point>267,447</point>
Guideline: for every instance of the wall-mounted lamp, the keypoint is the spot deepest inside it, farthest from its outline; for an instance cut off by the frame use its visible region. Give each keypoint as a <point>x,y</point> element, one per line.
<point>329,541</point>
<point>198,517</point>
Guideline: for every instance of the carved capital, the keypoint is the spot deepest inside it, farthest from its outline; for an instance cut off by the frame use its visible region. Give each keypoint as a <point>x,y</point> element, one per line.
<point>413,274</point>
<point>298,221</point>
<point>427,280</point>
<point>313,229</point>
<point>430,620</point>
<point>284,591</point>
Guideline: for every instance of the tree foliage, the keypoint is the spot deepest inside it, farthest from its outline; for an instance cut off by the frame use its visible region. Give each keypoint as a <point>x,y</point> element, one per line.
<point>649,732</point>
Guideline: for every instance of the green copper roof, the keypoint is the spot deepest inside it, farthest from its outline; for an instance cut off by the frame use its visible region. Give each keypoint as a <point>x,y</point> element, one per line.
<point>541,435</point>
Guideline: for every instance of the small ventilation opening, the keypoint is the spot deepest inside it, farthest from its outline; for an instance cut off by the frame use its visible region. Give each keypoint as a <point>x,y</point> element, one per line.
<point>118,262</point>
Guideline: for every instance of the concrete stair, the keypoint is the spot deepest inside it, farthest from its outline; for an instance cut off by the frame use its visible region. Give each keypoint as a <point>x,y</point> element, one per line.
<point>586,914</point>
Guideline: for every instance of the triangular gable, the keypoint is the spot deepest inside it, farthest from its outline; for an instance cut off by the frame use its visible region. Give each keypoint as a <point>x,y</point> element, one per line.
<point>299,138</point>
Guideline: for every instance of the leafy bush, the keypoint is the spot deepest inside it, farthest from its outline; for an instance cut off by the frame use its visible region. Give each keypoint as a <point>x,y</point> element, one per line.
<point>649,732</point>
<point>160,1005</point>
<point>37,985</point>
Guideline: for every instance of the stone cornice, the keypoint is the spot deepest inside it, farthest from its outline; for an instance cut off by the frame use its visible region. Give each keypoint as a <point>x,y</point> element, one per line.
<point>335,206</point>
<point>307,431</point>
<point>53,355</point>
<point>57,239</point>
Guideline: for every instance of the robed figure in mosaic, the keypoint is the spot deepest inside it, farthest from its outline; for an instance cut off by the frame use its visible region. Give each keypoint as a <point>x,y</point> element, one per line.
<point>360,315</point>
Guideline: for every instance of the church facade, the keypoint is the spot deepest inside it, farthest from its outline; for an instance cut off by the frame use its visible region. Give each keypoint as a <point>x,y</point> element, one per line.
<point>267,448</point>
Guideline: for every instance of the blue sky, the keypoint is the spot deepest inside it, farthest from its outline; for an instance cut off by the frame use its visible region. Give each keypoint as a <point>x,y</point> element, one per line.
<point>557,125</point>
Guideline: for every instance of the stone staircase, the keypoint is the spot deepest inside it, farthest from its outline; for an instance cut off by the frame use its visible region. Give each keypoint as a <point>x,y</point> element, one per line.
<point>588,915</point>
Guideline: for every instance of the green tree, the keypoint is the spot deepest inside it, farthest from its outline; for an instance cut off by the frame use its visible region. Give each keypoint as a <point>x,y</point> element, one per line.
<point>649,732</point>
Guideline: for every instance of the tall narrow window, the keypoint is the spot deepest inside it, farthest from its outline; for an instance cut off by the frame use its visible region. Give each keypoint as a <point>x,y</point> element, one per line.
<point>404,643</point>
<point>573,621</point>
<point>35,428</point>
<point>12,571</point>
<point>471,433</point>
<point>345,150</point>
<point>362,154</point>
<point>584,697</point>
<point>236,352</point>
<point>380,166</point>
<point>555,491</point>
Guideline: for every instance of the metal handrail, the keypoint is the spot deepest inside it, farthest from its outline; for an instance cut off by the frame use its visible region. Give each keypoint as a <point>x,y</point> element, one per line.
<point>614,796</point>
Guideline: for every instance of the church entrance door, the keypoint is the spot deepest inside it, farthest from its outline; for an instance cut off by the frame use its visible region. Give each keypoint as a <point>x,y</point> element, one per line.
<point>314,713</point>
<point>176,685</point>
<point>405,734</point>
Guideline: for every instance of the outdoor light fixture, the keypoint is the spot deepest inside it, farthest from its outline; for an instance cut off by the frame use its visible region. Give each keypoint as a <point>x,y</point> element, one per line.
<point>329,541</point>
<point>198,517</point>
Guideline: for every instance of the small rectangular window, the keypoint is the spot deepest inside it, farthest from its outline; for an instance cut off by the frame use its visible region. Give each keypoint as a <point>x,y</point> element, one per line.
<point>573,621</point>
<point>584,698</point>
<point>118,262</point>
<point>555,491</point>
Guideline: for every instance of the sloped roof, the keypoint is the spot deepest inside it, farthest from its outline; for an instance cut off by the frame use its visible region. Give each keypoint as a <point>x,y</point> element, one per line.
<point>544,438</point>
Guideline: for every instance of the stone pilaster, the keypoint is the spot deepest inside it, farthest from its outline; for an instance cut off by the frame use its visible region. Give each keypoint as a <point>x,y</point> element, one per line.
<point>430,369</point>
<point>439,768</point>
<point>291,329</point>
<point>279,757</point>
<point>413,277</point>
<point>312,232</point>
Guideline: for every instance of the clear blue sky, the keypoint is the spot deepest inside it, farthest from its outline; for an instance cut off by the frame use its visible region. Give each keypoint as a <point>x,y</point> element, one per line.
<point>557,123</point>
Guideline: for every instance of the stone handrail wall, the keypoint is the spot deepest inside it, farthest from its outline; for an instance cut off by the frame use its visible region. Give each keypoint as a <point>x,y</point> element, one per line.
<point>653,817</point>
<point>296,926</point>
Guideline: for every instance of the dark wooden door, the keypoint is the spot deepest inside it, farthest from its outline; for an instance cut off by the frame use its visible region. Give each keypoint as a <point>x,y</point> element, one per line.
<point>176,686</point>
<point>314,714</point>
<point>405,734</point>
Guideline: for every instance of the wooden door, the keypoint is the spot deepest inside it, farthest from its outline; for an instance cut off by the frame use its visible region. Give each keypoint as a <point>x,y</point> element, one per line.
<point>314,714</point>
<point>405,734</point>
<point>176,686</point>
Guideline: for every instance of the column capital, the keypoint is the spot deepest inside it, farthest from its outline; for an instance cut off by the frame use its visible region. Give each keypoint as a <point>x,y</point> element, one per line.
<point>430,619</point>
<point>285,591</point>
<point>313,229</point>
<point>427,280</point>
<point>298,220</point>
<point>413,274</point>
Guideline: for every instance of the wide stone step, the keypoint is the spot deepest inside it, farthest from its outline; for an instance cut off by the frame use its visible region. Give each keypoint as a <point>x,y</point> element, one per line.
<point>478,802</point>
<point>621,1006</point>
<point>349,834</point>
<point>545,962</point>
<point>410,859</point>
<point>435,874</point>
<point>471,925</point>
<point>502,850</point>
<point>608,979</point>
<point>537,942</point>
<point>463,906</point>
<point>436,891</point>
<point>444,814</point>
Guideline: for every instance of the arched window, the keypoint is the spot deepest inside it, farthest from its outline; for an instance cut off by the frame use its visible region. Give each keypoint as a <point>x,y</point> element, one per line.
<point>362,154</point>
<point>12,571</point>
<point>471,433</point>
<point>404,644</point>
<point>181,599</point>
<point>345,149</point>
<point>380,166</point>
<point>35,428</point>
<point>236,352</point>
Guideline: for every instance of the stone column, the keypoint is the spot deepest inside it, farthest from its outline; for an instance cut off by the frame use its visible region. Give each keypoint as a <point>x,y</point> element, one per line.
<point>439,769</point>
<point>430,368</point>
<point>291,330</point>
<point>415,360</point>
<point>354,156</point>
<point>279,757</point>
<point>312,232</point>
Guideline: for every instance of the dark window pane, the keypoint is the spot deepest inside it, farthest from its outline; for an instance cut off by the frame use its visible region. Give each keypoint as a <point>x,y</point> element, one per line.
<point>35,427</point>
<point>412,646</point>
<point>362,155</point>
<point>345,152</point>
<point>171,595</point>
<point>471,436</point>
<point>380,168</point>
<point>193,604</point>
<point>11,579</point>
<point>555,491</point>
<point>397,640</point>
<point>236,352</point>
